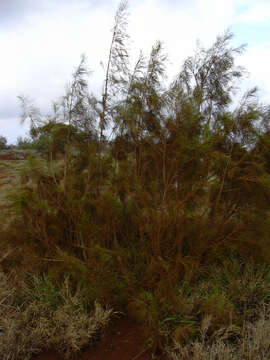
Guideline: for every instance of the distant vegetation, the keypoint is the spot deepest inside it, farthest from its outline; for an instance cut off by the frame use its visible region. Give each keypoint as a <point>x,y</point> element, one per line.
<point>3,142</point>
<point>152,199</point>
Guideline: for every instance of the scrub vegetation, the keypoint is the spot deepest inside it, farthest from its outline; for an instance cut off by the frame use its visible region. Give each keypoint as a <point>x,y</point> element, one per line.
<point>37,315</point>
<point>152,200</point>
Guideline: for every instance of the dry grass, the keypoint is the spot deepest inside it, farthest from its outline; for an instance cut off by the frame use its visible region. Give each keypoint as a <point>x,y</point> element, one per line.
<point>33,319</point>
<point>252,342</point>
<point>9,179</point>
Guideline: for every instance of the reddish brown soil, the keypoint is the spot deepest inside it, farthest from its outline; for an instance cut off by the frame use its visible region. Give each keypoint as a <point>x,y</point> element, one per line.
<point>122,341</point>
<point>13,156</point>
<point>8,157</point>
<point>48,355</point>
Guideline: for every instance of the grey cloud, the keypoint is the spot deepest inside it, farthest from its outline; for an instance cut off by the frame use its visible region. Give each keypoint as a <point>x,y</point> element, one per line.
<point>170,4</point>
<point>11,129</point>
<point>177,3</point>
<point>9,106</point>
<point>14,12</point>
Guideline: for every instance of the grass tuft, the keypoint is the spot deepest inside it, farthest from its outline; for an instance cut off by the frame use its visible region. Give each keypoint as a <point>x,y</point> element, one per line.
<point>252,342</point>
<point>37,316</point>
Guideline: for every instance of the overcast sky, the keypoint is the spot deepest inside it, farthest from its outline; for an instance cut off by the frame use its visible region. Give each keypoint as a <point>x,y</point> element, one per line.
<point>42,40</point>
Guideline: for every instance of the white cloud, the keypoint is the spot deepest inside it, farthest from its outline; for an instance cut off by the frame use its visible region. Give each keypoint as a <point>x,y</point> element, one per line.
<point>256,61</point>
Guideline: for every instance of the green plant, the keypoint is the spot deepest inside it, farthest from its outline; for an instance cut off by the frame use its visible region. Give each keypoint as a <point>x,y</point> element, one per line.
<point>167,218</point>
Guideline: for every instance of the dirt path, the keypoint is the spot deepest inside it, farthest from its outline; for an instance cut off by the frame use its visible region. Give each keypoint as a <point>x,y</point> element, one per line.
<point>122,341</point>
